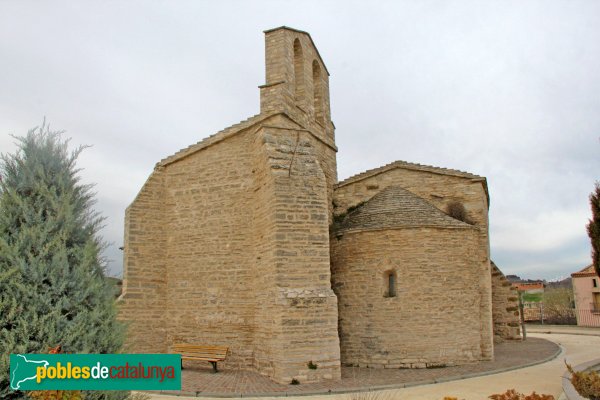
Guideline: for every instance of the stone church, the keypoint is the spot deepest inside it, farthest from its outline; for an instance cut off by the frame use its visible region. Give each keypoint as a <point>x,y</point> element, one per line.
<point>247,239</point>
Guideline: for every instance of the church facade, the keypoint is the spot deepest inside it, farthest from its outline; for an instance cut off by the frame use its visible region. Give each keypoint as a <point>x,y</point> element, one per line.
<point>247,239</point>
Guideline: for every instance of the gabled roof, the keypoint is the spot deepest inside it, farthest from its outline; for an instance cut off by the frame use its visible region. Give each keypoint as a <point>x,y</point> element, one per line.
<point>416,167</point>
<point>587,271</point>
<point>524,286</point>
<point>212,139</point>
<point>307,34</point>
<point>395,207</point>
<point>232,131</point>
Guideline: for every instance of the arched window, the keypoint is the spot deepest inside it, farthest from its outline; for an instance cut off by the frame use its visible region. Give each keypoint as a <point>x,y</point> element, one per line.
<point>317,91</point>
<point>390,282</point>
<point>298,70</point>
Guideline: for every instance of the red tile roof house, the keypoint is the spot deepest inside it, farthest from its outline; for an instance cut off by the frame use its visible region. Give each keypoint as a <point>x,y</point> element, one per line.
<point>586,288</point>
<point>532,311</point>
<point>529,287</point>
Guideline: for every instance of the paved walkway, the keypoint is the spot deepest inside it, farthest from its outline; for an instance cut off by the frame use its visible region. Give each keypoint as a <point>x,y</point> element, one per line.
<point>244,383</point>
<point>568,329</point>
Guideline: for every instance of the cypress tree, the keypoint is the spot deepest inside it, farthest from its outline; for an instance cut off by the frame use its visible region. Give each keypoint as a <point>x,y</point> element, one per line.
<point>593,228</point>
<point>53,289</point>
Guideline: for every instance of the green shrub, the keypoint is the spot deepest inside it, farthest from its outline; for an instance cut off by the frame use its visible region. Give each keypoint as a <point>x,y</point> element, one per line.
<point>52,286</point>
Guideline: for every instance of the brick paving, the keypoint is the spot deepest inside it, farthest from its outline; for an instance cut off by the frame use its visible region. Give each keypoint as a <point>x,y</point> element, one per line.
<point>235,383</point>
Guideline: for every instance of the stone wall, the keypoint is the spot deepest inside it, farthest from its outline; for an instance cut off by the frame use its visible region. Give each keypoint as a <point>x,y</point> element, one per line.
<point>228,244</point>
<point>505,307</point>
<point>247,250</point>
<point>440,187</point>
<point>433,320</point>
<point>144,297</point>
<point>239,232</point>
<point>210,274</point>
<point>294,296</point>
<point>284,73</point>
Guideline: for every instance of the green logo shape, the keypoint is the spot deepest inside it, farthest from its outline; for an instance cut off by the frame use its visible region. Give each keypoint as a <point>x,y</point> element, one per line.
<point>95,371</point>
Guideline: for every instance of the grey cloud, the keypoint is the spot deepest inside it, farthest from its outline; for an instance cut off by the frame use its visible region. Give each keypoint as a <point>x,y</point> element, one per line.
<point>508,90</point>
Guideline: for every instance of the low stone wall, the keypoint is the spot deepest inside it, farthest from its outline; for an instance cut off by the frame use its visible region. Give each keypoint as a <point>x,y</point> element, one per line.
<point>505,307</point>
<point>417,327</point>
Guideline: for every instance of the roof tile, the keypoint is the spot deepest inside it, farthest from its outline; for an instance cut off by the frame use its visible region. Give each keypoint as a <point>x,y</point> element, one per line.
<point>395,207</point>
<point>587,271</point>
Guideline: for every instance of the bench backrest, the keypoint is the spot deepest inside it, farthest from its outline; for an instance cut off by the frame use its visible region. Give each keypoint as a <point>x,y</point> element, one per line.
<point>199,350</point>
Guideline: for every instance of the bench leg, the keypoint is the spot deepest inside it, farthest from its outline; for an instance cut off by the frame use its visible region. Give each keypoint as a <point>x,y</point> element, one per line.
<point>214,365</point>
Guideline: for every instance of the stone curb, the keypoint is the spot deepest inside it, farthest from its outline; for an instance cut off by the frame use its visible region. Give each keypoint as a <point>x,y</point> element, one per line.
<point>550,332</point>
<point>568,389</point>
<point>558,352</point>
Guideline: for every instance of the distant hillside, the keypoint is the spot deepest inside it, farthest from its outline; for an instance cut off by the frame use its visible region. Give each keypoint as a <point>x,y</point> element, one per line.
<point>565,283</point>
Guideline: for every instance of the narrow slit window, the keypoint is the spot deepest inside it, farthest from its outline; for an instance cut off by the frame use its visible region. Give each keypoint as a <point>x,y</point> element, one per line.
<point>391,284</point>
<point>594,282</point>
<point>317,92</point>
<point>298,70</point>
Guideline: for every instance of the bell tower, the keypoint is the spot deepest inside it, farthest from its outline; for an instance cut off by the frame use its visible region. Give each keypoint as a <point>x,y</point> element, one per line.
<point>297,81</point>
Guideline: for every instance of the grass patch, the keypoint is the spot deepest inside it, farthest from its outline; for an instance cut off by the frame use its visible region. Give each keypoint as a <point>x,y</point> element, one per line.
<point>532,297</point>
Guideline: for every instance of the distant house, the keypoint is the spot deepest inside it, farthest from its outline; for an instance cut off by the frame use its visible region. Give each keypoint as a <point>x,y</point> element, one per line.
<point>529,287</point>
<point>532,294</point>
<point>586,289</point>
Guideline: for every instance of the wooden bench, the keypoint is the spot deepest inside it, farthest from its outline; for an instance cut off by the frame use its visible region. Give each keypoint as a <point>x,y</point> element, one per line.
<point>212,354</point>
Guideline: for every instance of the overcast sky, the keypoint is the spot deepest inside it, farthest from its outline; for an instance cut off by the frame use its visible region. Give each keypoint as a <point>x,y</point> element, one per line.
<point>506,90</point>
